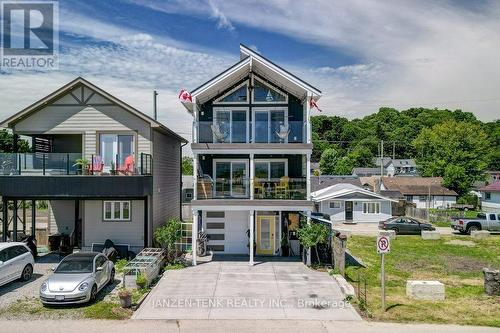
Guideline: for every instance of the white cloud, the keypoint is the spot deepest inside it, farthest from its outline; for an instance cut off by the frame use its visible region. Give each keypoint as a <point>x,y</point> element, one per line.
<point>222,21</point>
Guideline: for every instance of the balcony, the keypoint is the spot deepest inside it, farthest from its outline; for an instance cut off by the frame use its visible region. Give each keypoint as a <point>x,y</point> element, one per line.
<point>250,132</point>
<point>58,164</point>
<point>67,175</point>
<point>283,188</point>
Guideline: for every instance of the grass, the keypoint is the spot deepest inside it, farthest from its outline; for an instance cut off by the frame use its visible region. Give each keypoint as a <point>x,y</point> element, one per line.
<point>450,260</point>
<point>469,214</point>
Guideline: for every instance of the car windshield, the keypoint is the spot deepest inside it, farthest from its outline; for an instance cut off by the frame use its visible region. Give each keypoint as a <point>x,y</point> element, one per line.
<point>75,265</point>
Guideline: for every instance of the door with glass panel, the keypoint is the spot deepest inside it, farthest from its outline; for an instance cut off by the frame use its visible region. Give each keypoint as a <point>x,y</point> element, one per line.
<point>266,229</point>
<point>115,148</point>
<point>269,125</point>
<point>230,126</point>
<point>231,179</point>
<point>268,175</point>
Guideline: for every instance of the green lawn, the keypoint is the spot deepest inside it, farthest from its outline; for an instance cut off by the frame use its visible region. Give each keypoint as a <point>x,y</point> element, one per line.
<point>455,261</point>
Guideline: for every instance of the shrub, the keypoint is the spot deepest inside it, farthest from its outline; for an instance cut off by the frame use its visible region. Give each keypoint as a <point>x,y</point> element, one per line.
<point>120,264</point>
<point>310,235</point>
<point>141,281</point>
<point>168,235</point>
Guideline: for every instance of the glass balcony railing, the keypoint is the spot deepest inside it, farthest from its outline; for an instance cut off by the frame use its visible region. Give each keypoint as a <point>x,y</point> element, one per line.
<point>250,132</point>
<point>45,164</point>
<point>282,188</point>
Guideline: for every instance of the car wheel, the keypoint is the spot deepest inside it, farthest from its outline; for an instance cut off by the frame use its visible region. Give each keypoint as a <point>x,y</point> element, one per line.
<point>27,273</point>
<point>93,293</point>
<point>472,228</point>
<point>112,277</point>
<point>396,230</point>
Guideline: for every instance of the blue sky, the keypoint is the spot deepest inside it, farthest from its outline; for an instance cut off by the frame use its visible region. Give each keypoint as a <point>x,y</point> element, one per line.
<point>362,54</point>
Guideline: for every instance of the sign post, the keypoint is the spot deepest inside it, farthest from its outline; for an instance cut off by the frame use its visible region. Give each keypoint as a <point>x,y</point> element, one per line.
<point>383,247</point>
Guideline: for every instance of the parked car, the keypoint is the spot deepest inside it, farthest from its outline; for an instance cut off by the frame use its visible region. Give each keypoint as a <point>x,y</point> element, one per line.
<point>405,225</point>
<point>483,221</point>
<point>16,262</point>
<point>77,279</point>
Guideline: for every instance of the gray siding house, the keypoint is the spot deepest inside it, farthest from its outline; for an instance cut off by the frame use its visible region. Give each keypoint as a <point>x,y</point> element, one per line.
<point>251,150</point>
<point>108,170</point>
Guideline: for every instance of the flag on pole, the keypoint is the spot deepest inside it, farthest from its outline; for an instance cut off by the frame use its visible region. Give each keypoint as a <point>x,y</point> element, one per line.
<point>185,96</point>
<point>313,104</point>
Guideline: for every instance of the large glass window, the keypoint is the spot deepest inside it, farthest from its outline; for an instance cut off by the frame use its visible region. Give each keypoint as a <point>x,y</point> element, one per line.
<point>270,169</point>
<point>266,94</point>
<point>237,96</point>
<point>113,147</point>
<point>231,179</point>
<point>230,126</point>
<point>270,126</point>
<point>371,207</point>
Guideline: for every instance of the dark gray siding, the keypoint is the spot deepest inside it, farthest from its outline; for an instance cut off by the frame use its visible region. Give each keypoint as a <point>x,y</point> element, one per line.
<point>166,179</point>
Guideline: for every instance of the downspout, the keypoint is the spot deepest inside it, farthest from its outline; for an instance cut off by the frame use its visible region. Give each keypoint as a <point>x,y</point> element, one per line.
<point>180,180</point>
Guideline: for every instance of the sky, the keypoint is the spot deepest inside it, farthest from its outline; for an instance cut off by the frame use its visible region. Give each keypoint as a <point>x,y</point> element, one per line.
<point>362,54</point>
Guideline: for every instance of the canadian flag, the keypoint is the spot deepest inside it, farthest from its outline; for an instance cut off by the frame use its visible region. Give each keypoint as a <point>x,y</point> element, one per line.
<point>185,96</point>
<point>313,104</point>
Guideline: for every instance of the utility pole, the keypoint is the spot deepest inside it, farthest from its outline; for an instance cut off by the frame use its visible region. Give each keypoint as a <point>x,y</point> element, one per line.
<point>154,105</point>
<point>394,150</point>
<point>381,158</point>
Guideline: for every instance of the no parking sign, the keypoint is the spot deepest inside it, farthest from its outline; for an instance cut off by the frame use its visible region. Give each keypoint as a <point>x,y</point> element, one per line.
<point>383,244</point>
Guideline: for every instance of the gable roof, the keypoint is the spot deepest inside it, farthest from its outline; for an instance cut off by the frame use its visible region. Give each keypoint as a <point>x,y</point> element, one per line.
<point>397,162</point>
<point>343,189</point>
<point>67,88</point>
<point>417,185</point>
<point>253,62</point>
<point>324,181</point>
<point>493,187</point>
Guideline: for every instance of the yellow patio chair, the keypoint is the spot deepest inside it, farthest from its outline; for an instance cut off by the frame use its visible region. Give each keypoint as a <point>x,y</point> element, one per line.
<point>258,188</point>
<point>281,189</point>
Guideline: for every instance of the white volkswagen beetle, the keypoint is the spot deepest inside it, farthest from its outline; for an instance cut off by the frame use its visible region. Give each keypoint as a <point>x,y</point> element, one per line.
<point>77,279</point>
<point>16,262</point>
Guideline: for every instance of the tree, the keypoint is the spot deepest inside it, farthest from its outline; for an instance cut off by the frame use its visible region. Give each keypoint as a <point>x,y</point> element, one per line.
<point>187,165</point>
<point>312,234</point>
<point>167,235</point>
<point>7,143</point>
<point>457,151</point>
<point>328,161</point>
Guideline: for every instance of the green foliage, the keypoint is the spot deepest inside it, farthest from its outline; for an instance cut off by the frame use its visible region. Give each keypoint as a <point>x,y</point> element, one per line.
<point>174,266</point>
<point>457,151</point>
<point>312,234</point>
<point>187,165</point>
<point>7,143</point>
<point>167,235</point>
<point>120,264</point>
<point>328,161</point>
<point>141,281</point>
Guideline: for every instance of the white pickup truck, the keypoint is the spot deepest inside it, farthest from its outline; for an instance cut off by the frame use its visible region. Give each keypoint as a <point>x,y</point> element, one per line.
<point>483,221</point>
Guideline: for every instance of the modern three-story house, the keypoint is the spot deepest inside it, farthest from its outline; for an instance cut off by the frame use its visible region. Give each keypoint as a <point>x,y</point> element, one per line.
<point>107,170</point>
<point>251,146</point>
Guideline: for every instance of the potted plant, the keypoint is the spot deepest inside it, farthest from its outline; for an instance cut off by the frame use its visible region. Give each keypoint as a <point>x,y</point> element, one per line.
<point>82,165</point>
<point>285,248</point>
<point>141,281</point>
<point>125,298</point>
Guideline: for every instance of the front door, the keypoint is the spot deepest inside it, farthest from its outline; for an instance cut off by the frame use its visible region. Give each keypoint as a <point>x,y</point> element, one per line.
<point>231,180</point>
<point>348,210</point>
<point>265,234</point>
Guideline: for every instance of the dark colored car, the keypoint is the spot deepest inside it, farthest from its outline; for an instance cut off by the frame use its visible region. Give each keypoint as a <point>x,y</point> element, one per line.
<point>405,225</point>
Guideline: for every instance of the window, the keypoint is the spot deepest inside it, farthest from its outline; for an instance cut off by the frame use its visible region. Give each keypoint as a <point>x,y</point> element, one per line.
<point>334,204</point>
<point>215,225</point>
<point>116,210</point>
<point>214,215</point>
<point>270,125</point>
<point>100,261</point>
<point>371,207</point>
<point>270,169</point>
<point>215,237</point>
<point>114,147</point>
<point>263,93</point>
<point>236,95</point>
<point>487,196</point>
<point>230,125</point>
<point>422,197</point>
<point>493,217</point>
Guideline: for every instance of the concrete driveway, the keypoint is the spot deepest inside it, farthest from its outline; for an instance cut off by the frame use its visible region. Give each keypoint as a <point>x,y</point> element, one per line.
<point>231,289</point>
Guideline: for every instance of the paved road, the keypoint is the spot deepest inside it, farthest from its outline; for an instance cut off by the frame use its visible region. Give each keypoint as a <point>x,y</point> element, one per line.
<point>235,290</point>
<point>243,326</point>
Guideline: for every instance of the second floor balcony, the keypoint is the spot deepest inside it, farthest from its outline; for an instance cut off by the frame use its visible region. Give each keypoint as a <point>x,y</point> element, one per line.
<point>242,131</point>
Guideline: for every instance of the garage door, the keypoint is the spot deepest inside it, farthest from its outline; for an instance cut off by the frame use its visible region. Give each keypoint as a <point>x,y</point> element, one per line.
<point>226,231</point>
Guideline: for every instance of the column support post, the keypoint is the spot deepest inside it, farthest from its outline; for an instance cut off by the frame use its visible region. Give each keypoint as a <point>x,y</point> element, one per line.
<point>195,176</point>
<point>33,218</point>
<point>14,222</point>
<point>308,255</point>
<point>5,218</point>
<point>308,117</point>
<point>195,121</point>
<point>194,236</point>
<point>308,177</point>
<point>251,240</point>
<point>252,176</point>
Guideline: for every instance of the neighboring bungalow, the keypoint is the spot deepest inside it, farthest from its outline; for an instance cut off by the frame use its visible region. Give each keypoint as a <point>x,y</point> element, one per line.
<point>423,192</point>
<point>348,203</point>
<point>491,197</point>
<point>367,172</point>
